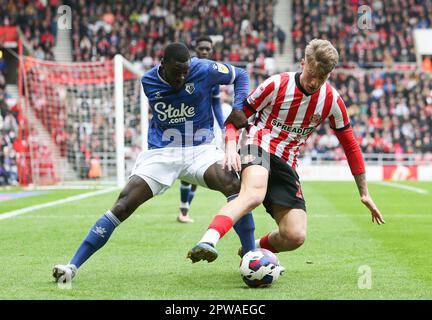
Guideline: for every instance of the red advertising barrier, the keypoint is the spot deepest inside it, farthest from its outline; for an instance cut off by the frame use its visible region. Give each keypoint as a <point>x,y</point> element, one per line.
<point>8,34</point>
<point>400,172</point>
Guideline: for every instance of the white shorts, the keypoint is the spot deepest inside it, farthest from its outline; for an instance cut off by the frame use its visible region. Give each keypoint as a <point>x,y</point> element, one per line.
<point>161,167</point>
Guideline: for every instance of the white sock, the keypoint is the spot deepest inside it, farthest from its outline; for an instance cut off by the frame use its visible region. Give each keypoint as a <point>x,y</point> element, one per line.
<point>184,205</point>
<point>211,236</point>
<point>257,243</point>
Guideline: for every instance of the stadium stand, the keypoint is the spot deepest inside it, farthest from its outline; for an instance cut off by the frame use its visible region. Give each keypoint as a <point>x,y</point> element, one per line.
<point>8,134</point>
<point>35,20</point>
<point>140,29</point>
<point>390,108</point>
<point>390,113</point>
<point>389,41</point>
<point>243,30</point>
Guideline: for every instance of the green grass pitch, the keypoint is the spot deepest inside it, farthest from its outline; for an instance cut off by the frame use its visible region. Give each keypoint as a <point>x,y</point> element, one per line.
<point>146,256</point>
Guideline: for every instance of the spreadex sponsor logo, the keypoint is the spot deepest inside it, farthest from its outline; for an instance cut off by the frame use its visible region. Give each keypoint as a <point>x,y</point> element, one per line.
<point>173,115</point>
<point>291,129</point>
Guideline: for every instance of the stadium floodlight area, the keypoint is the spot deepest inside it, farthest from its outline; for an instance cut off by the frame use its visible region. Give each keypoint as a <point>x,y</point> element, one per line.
<point>80,121</point>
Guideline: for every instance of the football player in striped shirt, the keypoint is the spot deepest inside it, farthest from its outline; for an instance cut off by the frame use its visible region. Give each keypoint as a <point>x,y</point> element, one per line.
<point>284,111</point>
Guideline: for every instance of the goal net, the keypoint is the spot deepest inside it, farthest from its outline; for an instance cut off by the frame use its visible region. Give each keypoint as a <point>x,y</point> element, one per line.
<point>80,121</point>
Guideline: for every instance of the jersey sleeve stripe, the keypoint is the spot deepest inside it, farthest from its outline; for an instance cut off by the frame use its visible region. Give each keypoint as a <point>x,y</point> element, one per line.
<point>328,102</point>
<point>233,75</point>
<point>332,122</point>
<point>256,99</point>
<point>343,109</point>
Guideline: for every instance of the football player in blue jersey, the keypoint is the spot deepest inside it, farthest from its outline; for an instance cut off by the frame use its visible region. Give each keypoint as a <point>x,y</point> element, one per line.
<point>179,147</point>
<point>204,50</point>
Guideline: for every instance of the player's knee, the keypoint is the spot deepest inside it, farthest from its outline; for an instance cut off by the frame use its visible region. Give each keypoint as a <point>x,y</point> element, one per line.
<point>253,197</point>
<point>253,200</point>
<point>292,238</point>
<point>121,209</point>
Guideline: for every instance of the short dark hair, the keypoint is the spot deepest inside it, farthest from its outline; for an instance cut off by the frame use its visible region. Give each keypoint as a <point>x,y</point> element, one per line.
<point>176,51</point>
<point>203,38</point>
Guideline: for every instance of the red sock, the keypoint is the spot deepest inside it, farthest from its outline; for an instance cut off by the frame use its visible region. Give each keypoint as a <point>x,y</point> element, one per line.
<point>221,224</point>
<point>265,244</point>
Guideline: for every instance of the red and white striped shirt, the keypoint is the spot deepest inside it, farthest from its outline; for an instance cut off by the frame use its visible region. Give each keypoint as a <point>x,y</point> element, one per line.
<point>286,116</point>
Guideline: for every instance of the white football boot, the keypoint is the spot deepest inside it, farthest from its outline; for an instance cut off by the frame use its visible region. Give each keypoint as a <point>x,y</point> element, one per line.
<point>63,274</point>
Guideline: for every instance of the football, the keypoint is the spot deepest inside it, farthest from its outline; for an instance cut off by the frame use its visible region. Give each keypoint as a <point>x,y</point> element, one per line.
<point>260,268</point>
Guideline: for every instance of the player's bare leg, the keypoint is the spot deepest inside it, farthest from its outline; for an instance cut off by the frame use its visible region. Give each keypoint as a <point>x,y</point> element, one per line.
<point>135,193</point>
<point>252,193</point>
<point>291,232</point>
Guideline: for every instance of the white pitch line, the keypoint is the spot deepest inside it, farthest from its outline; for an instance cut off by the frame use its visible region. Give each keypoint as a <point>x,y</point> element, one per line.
<point>401,186</point>
<point>18,212</point>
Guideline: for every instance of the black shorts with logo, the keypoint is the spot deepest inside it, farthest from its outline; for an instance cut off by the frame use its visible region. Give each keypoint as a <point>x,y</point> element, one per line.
<point>283,186</point>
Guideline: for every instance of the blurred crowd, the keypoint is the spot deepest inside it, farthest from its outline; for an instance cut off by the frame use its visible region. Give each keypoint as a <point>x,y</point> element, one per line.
<point>390,111</point>
<point>8,134</point>
<point>36,20</point>
<point>378,36</point>
<point>243,31</point>
<point>141,29</point>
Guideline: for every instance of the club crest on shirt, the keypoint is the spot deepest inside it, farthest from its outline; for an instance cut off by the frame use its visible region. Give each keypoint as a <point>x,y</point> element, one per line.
<point>316,118</point>
<point>189,87</point>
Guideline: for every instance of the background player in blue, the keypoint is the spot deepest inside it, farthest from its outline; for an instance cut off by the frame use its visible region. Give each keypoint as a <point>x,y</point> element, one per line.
<point>180,146</point>
<point>204,50</point>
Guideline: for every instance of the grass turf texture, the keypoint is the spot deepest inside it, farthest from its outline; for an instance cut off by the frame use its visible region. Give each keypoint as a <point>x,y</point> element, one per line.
<point>145,257</point>
<point>48,196</point>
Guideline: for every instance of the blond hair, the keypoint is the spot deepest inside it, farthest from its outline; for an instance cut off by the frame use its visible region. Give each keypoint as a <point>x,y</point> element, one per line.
<point>321,56</point>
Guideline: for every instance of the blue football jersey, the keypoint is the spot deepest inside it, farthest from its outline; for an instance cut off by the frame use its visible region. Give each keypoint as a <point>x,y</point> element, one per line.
<point>184,117</point>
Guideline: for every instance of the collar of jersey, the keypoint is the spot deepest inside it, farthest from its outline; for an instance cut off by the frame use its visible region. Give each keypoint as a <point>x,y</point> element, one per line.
<point>297,80</point>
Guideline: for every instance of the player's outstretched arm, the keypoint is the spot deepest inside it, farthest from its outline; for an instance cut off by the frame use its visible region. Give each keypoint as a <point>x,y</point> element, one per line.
<point>224,73</point>
<point>366,199</point>
<point>356,163</point>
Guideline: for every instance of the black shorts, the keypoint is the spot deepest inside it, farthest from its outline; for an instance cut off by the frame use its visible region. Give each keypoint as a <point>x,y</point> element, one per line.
<point>283,186</point>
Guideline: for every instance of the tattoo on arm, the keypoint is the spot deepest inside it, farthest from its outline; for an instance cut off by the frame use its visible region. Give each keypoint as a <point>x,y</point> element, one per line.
<point>360,180</point>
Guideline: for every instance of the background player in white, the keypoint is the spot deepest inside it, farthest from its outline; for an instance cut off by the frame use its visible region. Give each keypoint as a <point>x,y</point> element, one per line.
<point>180,145</point>
<point>204,50</point>
<point>287,108</point>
